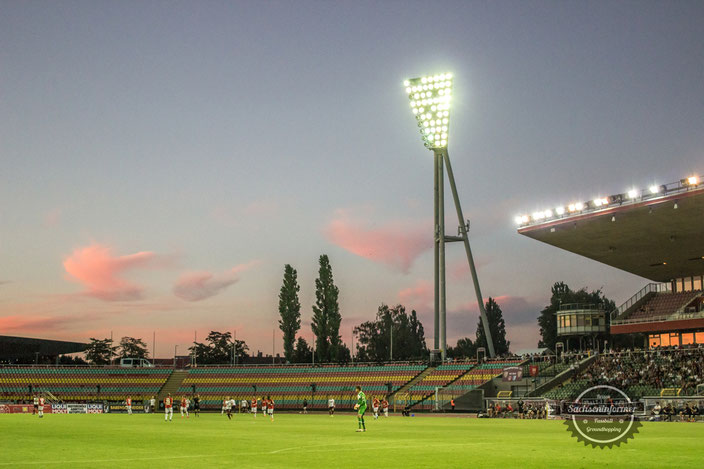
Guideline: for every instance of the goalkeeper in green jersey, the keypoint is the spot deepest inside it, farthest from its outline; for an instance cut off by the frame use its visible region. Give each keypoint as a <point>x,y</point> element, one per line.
<point>361,407</point>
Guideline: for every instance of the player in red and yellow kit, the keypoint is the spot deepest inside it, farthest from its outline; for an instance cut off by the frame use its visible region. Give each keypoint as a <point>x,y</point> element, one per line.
<point>385,407</point>
<point>270,407</point>
<point>41,407</point>
<point>168,408</point>
<point>254,407</point>
<point>184,406</point>
<point>375,407</point>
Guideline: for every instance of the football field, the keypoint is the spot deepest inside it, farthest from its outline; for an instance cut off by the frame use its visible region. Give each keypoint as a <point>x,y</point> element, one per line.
<point>313,440</point>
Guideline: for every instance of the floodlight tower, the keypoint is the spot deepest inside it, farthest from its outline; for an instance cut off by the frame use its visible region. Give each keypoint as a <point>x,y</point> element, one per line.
<point>430,98</point>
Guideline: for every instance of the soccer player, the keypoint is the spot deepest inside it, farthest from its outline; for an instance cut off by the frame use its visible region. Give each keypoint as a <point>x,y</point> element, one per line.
<point>305,406</point>
<point>196,405</point>
<point>152,404</point>
<point>375,408</point>
<point>270,407</point>
<point>331,406</point>
<point>168,408</point>
<point>35,409</point>
<point>361,408</point>
<point>224,404</point>
<point>128,405</point>
<point>184,406</point>
<point>228,407</point>
<point>41,407</point>
<point>254,406</point>
<point>385,407</point>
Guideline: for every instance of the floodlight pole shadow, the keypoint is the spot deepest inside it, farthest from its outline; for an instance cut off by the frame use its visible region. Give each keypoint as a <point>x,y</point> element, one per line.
<point>442,155</point>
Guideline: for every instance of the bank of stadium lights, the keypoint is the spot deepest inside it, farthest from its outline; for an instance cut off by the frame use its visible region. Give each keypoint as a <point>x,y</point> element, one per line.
<point>600,202</point>
<point>430,98</point>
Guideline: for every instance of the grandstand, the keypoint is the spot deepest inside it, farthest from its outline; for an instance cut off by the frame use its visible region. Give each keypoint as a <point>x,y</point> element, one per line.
<point>457,380</point>
<point>290,385</point>
<point>640,374</point>
<point>654,233</point>
<point>18,383</point>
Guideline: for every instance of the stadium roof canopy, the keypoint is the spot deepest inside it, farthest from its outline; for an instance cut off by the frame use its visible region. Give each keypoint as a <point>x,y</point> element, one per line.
<point>659,237</point>
<point>23,347</point>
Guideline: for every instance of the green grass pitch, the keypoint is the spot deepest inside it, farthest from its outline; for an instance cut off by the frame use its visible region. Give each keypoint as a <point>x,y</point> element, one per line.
<point>314,440</point>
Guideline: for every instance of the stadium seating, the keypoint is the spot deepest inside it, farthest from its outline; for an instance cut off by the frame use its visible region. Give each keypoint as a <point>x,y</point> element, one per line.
<point>81,384</point>
<point>438,378</point>
<point>471,378</point>
<point>639,373</point>
<point>288,386</point>
<point>662,305</point>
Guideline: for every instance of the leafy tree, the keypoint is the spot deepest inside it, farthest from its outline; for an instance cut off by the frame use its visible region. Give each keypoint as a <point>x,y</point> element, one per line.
<point>497,327</point>
<point>69,360</point>
<point>290,310</point>
<point>133,348</point>
<point>374,337</point>
<point>563,294</point>
<point>302,353</point>
<point>217,348</point>
<point>465,348</point>
<point>100,352</point>
<point>326,314</point>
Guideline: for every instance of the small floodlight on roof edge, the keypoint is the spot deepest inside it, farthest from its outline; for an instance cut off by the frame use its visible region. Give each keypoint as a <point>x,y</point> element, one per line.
<point>430,98</point>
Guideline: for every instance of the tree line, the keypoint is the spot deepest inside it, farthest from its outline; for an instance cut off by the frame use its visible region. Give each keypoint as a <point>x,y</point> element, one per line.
<point>392,334</point>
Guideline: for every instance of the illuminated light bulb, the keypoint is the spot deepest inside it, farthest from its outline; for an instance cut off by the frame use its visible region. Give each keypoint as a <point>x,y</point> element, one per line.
<point>693,180</point>
<point>519,220</point>
<point>547,213</point>
<point>654,189</point>
<point>408,90</point>
<point>416,96</point>
<point>415,110</point>
<point>632,194</point>
<point>423,80</point>
<point>560,210</point>
<point>406,83</point>
<point>445,120</point>
<point>597,202</point>
<point>448,75</point>
<point>443,142</point>
<point>579,206</point>
<point>571,208</point>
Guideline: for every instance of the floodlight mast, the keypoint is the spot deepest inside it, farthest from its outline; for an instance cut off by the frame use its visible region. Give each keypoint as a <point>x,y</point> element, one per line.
<point>430,100</point>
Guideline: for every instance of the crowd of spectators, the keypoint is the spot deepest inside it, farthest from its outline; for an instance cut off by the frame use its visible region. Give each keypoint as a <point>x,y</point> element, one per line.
<point>681,368</point>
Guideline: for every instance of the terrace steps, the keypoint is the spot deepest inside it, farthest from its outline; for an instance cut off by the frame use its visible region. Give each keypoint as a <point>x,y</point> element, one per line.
<point>404,389</point>
<point>172,384</point>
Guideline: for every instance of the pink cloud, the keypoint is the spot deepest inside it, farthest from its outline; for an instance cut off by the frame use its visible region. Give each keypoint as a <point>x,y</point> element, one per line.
<point>458,270</point>
<point>420,296</point>
<point>100,272</point>
<point>197,286</point>
<point>39,324</point>
<point>395,243</point>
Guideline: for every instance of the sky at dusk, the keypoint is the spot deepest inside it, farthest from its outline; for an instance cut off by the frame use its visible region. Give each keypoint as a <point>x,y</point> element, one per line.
<point>162,161</point>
